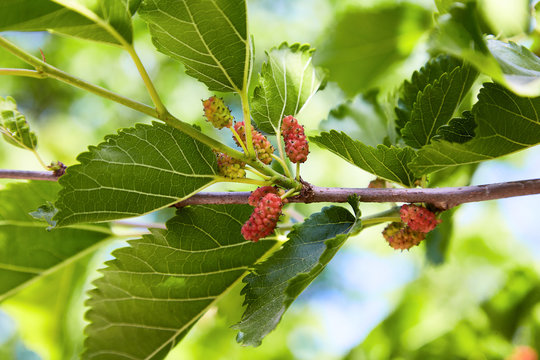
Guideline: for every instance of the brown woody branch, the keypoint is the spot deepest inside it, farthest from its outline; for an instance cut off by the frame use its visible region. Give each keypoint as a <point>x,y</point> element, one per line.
<point>442,198</point>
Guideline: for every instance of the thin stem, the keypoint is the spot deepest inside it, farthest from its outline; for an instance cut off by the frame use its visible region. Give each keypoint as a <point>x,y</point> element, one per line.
<point>23,72</point>
<point>245,181</point>
<point>253,171</point>
<point>288,193</point>
<point>238,139</point>
<point>283,165</point>
<point>161,110</point>
<point>247,124</point>
<point>28,175</point>
<point>298,171</point>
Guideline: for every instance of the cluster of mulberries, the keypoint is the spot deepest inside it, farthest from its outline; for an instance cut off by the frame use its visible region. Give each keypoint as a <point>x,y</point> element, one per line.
<point>296,144</point>
<point>262,146</point>
<point>217,112</point>
<point>263,220</point>
<point>418,218</point>
<point>230,167</point>
<point>402,237</point>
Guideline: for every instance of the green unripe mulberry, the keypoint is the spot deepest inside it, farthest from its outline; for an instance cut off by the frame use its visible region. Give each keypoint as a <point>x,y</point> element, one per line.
<point>230,167</point>
<point>217,112</point>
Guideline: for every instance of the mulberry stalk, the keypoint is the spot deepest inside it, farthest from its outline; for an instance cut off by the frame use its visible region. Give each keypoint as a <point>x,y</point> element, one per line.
<point>296,144</point>
<point>230,167</point>
<point>262,146</point>
<point>217,112</point>
<point>418,218</point>
<point>402,237</point>
<point>264,219</point>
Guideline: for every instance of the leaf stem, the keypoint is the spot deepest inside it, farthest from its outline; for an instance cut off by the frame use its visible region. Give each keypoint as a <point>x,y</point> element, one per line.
<point>245,181</point>
<point>247,122</point>
<point>23,72</point>
<point>283,165</point>
<point>238,139</point>
<point>253,171</point>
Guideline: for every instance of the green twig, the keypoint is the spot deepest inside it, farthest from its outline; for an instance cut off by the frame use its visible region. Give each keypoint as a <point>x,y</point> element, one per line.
<point>283,165</point>
<point>23,72</point>
<point>238,139</point>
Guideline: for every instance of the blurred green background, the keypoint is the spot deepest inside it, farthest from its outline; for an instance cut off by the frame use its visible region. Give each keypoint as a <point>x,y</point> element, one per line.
<point>472,291</point>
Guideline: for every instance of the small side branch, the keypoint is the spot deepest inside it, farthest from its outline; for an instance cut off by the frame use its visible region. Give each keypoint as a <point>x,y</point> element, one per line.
<point>28,175</point>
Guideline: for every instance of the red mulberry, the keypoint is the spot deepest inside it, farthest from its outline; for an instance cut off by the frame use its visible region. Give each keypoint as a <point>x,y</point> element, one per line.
<point>259,193</point>
<point>402,237</point>
<point>296,144</point>
<point>418,218</point>
<point>230,167</point>
<point>264,219</point>
<point>262,146</point>
<point>217,112</point>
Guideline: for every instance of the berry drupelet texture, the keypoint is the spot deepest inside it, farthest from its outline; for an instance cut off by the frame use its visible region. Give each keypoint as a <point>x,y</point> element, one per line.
<point>418,218</point>
<point>230,167</point>
<point>217,112</point>
<point>262,146</point>
<point>264,219</point>
<point>402,237</point>
<point>296,144</point>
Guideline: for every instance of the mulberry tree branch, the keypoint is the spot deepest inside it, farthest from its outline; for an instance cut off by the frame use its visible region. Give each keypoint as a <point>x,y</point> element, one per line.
<point>442,198</point>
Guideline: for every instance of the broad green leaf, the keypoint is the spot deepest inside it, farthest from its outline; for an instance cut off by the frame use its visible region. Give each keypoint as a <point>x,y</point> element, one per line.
<point>14,127</point>
<point>157,288</point>
<point>71,18</point>
<point>435,105</point>
<point>458,130</point>
<point>389,163</point>
<point>140,170</point>
<point>431,72</point>
<point>506,123</point>
<point>29,252</point>
<point>286,83</point>
<point>458,33</point>
<point>209,36</point>
<point>363,44</point>
<point>276,283</point>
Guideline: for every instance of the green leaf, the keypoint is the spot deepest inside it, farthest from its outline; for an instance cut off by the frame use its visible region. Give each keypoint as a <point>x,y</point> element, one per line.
<point>276,283</point>
<point>435,105</point>
<point>14,127</point>
<point>458,33</point>
<point>430,73</point>
<point>363,44</point>
<point>361,118</point>
<point>389,163</point>
<point>159,286</point>
<point>286,83</point>
<point>27,251</point>
<point>458,130</point>
<point>209,37</point>
<point>140,170</point>
<point>506,123</point>
<point>69,18</point>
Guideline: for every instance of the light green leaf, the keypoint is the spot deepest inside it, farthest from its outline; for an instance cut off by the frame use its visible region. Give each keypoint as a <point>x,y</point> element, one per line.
<point>158,287</point>
<point>14,127</point>
<point>458,33</point>
<point>506,123</point>
<point>209,36</point>
<point>27,251</point>
<point>389,163</point>
<point>458,130</point>
<point>286,83</point>
<point>435,105</point>
<point>277,282</point>
<point>363,44</point>
<point>71,18</point>
<point>140,170</point>
<point>361,118</point>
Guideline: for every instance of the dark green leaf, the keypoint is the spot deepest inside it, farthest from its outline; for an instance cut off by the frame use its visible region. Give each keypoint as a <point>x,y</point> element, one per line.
<point>435,105</point>
<point>506,123</point>
<point>364,43</point>
<point>361,118</point>
<point>14,127</point>
<point>286,83</point>
<point>209,36</point>
<point>29,252</point>
<point>458,130</point>
<point>140,170</point>
<point>277,282</point>
<point>65,17</point>
<point>159,286</point>
<point>389,163</point>
<point>458,33</point>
